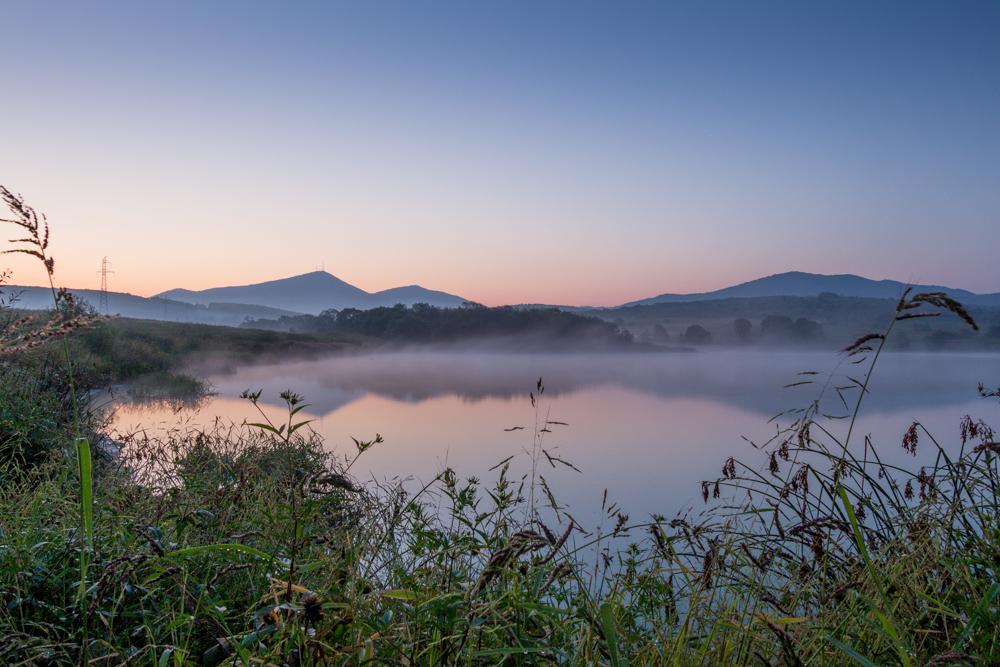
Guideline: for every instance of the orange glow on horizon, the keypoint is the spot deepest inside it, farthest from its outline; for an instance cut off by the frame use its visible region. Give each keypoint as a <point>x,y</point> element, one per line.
<point>485,289</point>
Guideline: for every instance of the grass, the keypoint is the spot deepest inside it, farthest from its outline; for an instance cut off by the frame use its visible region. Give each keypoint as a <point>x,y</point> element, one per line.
<point>254,544</point>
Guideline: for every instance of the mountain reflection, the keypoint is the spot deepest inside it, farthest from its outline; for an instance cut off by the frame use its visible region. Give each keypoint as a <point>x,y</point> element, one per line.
<point>753,381</point>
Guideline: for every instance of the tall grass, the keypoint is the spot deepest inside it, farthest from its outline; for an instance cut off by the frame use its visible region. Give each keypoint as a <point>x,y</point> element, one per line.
<point>68,318</point>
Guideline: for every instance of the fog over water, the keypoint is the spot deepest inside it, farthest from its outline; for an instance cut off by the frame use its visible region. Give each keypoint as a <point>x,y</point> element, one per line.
<point>648,427</point>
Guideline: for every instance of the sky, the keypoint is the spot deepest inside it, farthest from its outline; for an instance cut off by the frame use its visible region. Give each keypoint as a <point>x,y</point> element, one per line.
<point>572,153</point>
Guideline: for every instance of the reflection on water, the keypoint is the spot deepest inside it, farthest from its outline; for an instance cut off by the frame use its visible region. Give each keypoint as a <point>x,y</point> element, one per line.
<point>646,427</point>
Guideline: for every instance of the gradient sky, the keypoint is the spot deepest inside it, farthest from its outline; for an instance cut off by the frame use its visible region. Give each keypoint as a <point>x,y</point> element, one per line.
<point>508,152</point>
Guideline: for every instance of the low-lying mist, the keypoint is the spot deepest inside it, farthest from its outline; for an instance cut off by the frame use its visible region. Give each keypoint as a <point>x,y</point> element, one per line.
<point>754,380</point>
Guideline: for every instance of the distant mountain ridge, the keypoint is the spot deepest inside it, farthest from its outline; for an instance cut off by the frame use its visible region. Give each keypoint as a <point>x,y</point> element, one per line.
<point>799,283</point>
<point>312,293</point>
<point>146,308</point>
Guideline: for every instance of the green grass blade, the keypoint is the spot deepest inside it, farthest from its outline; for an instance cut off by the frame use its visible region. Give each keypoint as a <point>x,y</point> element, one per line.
<point>983,605</point>
<point>85,467</point>
<point>888,626</point>
<point>859,538</point>
<point>86,472</point>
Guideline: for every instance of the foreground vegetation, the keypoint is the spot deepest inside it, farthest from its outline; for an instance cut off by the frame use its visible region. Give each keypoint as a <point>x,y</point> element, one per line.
<point>255,545</point>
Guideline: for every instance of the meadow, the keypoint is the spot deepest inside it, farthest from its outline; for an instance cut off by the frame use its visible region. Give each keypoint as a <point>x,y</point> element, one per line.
<point>254,544</point>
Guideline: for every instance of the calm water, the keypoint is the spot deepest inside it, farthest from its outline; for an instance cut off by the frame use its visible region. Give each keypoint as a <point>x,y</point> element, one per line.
<point>647,427</point>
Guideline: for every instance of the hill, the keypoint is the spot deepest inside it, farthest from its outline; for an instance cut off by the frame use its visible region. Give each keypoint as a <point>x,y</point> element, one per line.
<point>798,283</point>
<point>313,293</point>
<point>147,308</point>
<point>827,320</point>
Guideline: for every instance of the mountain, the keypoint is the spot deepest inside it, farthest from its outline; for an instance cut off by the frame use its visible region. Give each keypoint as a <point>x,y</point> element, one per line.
<point>153,308</point>
<point>411,294</point>
<point>798,283</point>
<point>313,293</point>
<point>308,293</point>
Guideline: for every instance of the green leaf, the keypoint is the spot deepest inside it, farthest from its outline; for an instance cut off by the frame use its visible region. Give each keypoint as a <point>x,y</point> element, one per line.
<point>210,548</point>
<point>296,427</point>
<point>611,634</point>
<point>847,650</point>
<point>263,427</point>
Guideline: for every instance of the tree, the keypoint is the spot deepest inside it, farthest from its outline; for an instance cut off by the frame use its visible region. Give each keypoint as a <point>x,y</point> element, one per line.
<point>808,330</point>
<point>697,335</point>
<point>782,328</point>
<point>742,327</point>
<point>660,334</point>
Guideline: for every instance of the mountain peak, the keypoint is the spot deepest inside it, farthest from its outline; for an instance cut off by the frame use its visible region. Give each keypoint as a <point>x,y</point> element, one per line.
<point>312,293</point>
<point>317,276</point>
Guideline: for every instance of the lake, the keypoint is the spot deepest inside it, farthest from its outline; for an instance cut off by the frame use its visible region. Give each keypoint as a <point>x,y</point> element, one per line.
<point>646,427</point>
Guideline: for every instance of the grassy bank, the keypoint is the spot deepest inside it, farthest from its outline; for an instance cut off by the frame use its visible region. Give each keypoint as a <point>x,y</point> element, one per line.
<point>157,359</point>
<point>135,346</point>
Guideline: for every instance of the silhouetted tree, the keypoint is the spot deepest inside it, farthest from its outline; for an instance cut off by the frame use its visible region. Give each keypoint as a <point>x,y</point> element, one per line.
<point>742,327</point>
<point>697,335</point>
<point>780,327</point>
<point>808,330</point>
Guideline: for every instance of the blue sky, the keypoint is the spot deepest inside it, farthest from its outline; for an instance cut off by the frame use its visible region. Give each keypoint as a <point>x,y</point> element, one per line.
<point>509,152</point>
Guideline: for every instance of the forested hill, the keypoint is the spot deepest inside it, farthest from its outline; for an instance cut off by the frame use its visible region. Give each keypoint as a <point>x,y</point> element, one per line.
<point>517,328</point>
<point>827,320</point>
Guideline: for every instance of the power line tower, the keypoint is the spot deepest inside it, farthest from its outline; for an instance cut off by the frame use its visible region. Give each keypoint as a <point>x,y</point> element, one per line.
<point>105,270</point>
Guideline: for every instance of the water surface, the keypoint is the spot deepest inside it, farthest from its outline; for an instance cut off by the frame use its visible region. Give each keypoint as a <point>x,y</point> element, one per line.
<point>647,427</point>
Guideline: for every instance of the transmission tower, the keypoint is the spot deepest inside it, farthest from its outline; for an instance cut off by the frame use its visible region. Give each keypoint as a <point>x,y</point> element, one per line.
<point>105,270</point>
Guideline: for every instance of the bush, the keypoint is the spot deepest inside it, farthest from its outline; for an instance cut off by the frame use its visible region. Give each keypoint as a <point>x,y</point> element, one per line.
<point>34,417</point>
